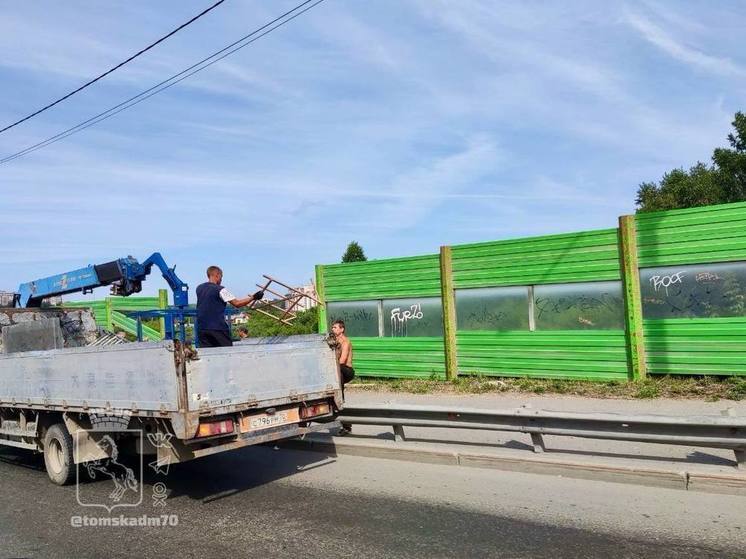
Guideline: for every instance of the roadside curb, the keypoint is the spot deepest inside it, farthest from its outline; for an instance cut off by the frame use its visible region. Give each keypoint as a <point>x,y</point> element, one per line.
<point>731,484</point>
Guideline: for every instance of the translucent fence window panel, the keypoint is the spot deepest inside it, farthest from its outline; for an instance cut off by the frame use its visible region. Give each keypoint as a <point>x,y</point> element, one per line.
<point>360,317</point>
<point>579,306</point>
<point>492,308</point>
<point>694,291</point>
<point>409,318</point>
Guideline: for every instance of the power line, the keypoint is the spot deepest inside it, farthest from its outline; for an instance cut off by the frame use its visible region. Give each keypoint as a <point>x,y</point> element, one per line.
<point>173,80</point>
<point>109,71</point>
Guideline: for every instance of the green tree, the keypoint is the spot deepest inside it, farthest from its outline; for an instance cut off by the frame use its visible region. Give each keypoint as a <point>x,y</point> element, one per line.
<point>354,253</point>
<point>261,325</point>
<point>702,185</point>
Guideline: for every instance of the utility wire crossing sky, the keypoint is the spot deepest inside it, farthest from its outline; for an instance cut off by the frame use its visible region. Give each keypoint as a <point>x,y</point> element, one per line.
<point>167,83</point>
<point>110,70</point>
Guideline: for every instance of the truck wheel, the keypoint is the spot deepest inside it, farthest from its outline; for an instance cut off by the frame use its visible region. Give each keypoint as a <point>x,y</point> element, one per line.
<point>58,454</point>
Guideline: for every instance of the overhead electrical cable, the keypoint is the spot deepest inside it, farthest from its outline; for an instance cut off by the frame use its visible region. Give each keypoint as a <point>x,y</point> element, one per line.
<point>246,40</point>
<point>110,70</point>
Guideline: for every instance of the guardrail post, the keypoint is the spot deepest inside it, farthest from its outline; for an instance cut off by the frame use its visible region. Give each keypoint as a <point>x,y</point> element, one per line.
<point>399,433</point>
<point>322,299</point>
<point>538,441</point>
<point>740,458</point>
<point>449,313</point>
<point>739,452</point>
<point>632,297</point>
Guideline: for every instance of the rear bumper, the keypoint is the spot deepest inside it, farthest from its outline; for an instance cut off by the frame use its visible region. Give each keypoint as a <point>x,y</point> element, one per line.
<point>179,452</point>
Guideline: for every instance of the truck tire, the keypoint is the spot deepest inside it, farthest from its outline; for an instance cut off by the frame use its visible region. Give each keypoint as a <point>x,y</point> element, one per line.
<point>58,454</point>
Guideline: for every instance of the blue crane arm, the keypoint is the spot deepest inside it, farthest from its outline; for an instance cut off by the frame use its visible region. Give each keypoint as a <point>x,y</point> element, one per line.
<point>124,275</point>
<point>178,287</point>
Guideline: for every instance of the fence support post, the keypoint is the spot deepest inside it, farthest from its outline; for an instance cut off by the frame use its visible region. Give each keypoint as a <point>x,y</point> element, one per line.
<point>107,314</point>
<point>162,304</point>
<point>632,297</point>
<point>449,313</point>
<point>322,299</point>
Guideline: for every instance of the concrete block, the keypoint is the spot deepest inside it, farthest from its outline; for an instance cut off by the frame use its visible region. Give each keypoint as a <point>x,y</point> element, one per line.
<point>727,484</point>
<point>21,317</point>
<point>78,326</point>
<point>35,335</point>
<point>377,449</point>
<point>88,321</point>
<point>578,470</point>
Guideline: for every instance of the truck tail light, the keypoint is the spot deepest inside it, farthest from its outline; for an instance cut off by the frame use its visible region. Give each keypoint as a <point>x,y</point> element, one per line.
<point>314,410</point>
<point>212,428</point>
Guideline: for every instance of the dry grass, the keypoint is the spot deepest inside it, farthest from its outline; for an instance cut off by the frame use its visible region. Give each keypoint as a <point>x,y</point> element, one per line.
<point>699,388</point>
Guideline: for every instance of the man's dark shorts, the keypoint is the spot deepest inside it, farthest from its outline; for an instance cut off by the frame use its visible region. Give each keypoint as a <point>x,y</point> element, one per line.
<point>348,373</point>
<point>214,338</point>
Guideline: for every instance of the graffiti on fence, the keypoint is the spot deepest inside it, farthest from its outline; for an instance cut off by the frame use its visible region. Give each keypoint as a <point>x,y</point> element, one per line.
<point>667,281</point>
<point>400,318</point>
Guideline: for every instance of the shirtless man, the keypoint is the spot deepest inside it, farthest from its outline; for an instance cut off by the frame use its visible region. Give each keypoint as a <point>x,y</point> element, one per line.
<point>344,358</point>
<point>344,351</point>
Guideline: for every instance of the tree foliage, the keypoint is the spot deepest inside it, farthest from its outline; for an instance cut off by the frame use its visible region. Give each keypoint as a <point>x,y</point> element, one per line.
<point>260,325</point>
<point>721,182</point>
<point>354,253</point>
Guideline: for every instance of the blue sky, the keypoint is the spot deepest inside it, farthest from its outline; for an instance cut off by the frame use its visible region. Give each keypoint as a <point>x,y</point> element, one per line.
<point>403,125</point>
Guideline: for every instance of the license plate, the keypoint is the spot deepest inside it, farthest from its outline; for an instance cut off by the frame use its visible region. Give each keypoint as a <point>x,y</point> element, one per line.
<point>265,421</point>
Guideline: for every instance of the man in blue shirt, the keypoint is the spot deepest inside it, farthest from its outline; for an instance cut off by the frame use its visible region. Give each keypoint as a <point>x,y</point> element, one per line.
<point>211,301</point>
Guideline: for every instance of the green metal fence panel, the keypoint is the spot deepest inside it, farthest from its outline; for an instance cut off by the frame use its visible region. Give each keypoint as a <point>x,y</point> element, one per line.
<point>418,276</point>
<point>584,355</point>
<point>129,325</point>
<point>399,357</point>
<point>566,258</point>
<point>381,279</point>
<point>706,346</point>
<point>124,304</point>
<point>572,257</point>
<point>695,235</point>
<point>694,346</point>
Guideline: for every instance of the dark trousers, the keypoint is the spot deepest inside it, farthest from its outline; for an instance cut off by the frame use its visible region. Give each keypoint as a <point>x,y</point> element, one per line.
<point>214,338</point>
<point>348,373</point>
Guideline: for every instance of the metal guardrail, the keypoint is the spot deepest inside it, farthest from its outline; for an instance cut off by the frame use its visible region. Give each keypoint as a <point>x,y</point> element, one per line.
<point>709,431</point>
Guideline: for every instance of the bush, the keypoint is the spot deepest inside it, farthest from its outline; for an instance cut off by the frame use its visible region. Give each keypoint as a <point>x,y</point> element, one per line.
<point>648,389</point>
<point>736,388</point>
<point>262,326</point>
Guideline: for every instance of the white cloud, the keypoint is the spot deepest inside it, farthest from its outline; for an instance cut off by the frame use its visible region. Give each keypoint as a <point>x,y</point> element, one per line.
<point>402,124</point>
<point>690,55</point>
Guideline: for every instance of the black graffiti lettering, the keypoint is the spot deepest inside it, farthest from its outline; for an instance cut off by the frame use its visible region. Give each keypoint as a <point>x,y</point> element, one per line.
<point>581,303</point>
<point>351,316</point>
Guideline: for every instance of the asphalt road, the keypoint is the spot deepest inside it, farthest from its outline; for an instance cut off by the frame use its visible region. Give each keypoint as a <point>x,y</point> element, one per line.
<point>283,503</point>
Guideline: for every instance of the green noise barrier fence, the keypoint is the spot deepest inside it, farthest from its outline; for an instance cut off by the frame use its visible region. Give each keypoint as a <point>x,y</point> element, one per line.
<point>109,313</point>
<point>664,293</point>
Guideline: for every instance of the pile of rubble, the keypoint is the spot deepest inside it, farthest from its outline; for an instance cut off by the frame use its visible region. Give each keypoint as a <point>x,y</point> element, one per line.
<point>77,327</point>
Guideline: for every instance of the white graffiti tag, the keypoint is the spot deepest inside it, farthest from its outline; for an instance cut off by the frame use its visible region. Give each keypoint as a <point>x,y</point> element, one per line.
<point>399,318</point>
<point>666,281</point>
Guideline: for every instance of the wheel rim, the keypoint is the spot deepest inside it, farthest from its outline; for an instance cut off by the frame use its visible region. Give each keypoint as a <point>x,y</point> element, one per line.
<point>56,456</point>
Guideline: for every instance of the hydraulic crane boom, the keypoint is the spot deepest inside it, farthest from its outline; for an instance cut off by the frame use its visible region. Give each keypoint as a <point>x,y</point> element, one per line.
<point>124,275</point>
